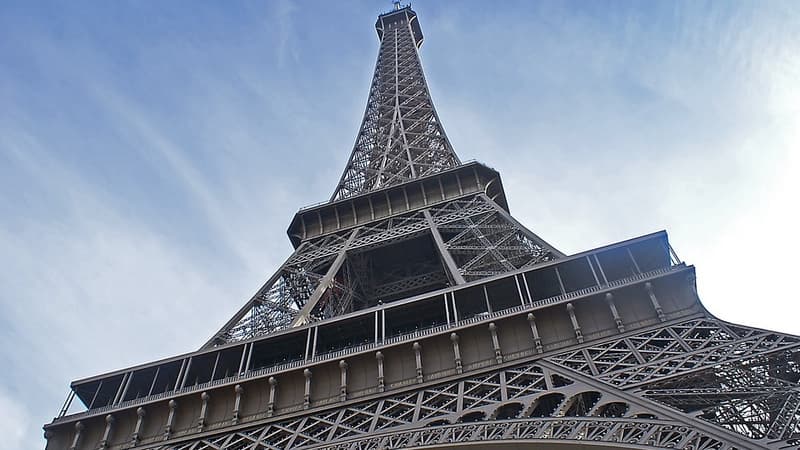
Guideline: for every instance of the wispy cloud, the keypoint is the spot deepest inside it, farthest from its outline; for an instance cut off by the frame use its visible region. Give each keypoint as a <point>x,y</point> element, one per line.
<point>173,161</point>
<point>151,157</point>
<point>610,124</point>
<point>284,12</point>
<point>14,421</point>
<point>95,257</point>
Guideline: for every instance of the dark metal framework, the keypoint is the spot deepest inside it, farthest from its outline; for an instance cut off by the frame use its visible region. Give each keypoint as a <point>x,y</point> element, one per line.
<point>726,378</point>
<point>401,137</point>
<point>400,140</point>
<point>416,311</point>
<point>470,238</point>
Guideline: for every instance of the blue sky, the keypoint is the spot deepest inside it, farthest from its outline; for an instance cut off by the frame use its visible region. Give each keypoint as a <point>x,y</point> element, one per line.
<point>153,153</point>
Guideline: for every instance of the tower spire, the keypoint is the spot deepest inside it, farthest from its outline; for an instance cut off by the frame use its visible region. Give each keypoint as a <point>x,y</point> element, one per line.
<point>401,137</point>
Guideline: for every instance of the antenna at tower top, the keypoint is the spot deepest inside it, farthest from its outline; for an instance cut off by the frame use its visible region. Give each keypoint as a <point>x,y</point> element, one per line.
<point>397,5</point>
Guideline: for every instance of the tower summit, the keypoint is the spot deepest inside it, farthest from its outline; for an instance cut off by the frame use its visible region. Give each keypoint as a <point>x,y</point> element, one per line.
<point>401,137</point>
<point>415,311</point>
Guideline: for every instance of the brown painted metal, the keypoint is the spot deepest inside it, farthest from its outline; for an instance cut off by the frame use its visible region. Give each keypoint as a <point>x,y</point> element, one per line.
<point>417,312</point>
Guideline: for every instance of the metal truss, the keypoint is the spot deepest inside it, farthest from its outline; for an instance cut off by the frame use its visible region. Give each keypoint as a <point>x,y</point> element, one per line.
<point>401,279</point>
<point>671,350</point>
<point>757,397</point>
<point>401,137</point>
<point>276,304</point>
<point>622,433</point>
<point>526,402</point>
<point>332,275</point>
<point>645,389</point>
<point>486,241</point>
<point>743,379</point>
<point>444,403</point>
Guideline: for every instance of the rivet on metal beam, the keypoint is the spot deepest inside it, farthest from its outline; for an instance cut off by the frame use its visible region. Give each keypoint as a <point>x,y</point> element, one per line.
<point>237,404</point>
<point>107,432</point>
<point>343,388</point>
<point>575,325</point>
<point>78,430</point>
<point>456,352</point>
<point>140,412</point>
<point>307,393</point>
<point>649,288</point>
<point>418,359</point>
<point>201,421</point>
<point>379,358</point>
<point>535,331</point>
<point>614,312</point>
<point>170,419</point>
<point>498,355</point>
<point>273,384</point>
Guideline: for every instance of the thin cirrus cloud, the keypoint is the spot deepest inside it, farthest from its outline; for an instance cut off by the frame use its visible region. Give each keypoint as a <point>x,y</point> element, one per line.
<point>152,155</point>
<point>611,124</point>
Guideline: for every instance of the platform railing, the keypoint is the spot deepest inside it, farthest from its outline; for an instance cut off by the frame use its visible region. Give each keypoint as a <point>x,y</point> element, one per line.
<point>405,337</point>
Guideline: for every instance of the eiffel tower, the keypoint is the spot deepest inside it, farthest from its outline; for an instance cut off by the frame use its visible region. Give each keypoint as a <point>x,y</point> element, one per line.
<point>416,312</point>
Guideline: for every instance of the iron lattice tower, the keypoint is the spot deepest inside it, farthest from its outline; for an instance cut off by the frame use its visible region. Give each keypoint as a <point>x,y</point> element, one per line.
<point>416,312</point>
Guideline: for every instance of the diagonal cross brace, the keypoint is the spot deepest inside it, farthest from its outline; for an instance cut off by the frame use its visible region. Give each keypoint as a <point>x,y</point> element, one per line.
<point>663,411</point>
<point>452,268</point>
<point>303,316</point>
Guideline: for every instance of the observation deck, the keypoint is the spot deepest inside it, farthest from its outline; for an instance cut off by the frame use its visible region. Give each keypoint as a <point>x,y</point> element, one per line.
<point>397,17</point>
<point>539,289</point>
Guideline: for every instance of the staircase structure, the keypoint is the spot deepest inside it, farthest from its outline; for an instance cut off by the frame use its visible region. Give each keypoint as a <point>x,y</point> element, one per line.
<point>416,312</point>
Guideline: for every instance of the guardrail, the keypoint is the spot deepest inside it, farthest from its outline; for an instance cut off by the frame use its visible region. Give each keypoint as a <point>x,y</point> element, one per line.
<point>407,337</point>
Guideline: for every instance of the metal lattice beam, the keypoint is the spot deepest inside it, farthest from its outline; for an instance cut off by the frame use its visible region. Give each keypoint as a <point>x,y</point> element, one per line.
<point>526,402</point>
<point>477,237</point>
<point>401,137</point>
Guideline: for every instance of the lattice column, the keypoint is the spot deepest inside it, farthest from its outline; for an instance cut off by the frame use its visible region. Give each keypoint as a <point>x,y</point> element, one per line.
<point>401,137</point>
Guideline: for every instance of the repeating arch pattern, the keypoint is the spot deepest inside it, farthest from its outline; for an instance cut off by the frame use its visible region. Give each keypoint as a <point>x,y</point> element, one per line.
<point>516,393</point>
<point>613,409</point>
<point>623,433</point>
<point>751,390</point>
